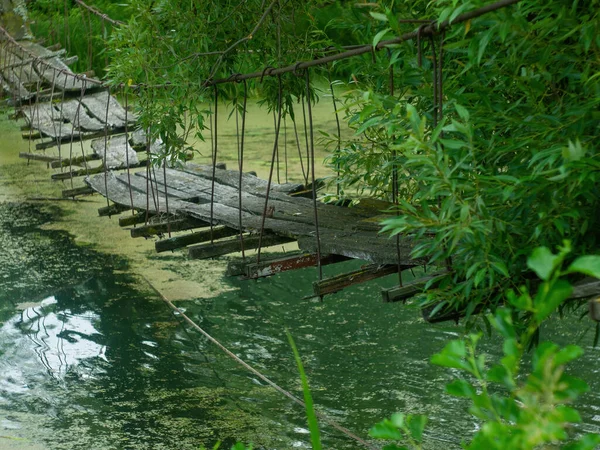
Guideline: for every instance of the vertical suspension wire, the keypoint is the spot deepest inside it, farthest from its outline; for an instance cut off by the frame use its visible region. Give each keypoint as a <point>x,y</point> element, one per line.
<point>60,123</point>
<point>312,173</point>
<point>106,147</point>
<point>31,112</point>
<point>214,164</point>
<point>126,96</point>
<point>285,152</point>
<point>76,122</point>
<point>277,150</point>
<point>38,88</point>
<point>147,216</point>
<point>79,128</point>
<point>51,106</point>
<point>306,138</point>
<point>339,130</point>
<point>241,169</point>
<point>395,186</point>
<point>304,174</point>
<point>270,181</point>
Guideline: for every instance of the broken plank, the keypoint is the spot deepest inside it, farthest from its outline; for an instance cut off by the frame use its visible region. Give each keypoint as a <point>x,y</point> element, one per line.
<point>75,112</point>
<point>96,104</point>
<point>410,289</point>
<point>173,243</point>
<point>274,266</point>
<point>367,273</point>
<point>205,251</point>
<point>153,229</point>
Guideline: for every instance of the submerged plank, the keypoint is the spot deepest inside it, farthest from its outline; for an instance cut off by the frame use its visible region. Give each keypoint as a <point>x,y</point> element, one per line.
<point>337,283</point>
<point>410,289</point>
<point>275,266</point>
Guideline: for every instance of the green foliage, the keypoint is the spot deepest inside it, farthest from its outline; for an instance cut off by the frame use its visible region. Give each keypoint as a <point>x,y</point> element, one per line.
<point>512,165</point>
<point>518,411</point>
<point>82,34</point>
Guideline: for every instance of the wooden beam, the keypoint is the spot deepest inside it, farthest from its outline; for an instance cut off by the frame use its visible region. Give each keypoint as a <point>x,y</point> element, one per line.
<point>74,161</point>
<point>153,229</point>
<point>218,232</point>
<point>366,273</point>
<point>208,250</point>
<point>91,171</point>
<point>134,219</point>
<point>36,157</point>
<point>398,293</point>
<point>83,190</point>
<point>112,210</point>
<point>273,266</point>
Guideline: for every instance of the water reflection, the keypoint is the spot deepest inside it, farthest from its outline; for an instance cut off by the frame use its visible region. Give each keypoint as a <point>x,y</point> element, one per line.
<point>109,366</point>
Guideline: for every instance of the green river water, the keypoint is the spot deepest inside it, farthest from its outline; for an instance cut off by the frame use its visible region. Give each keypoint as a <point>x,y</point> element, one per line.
<point>90,358</point>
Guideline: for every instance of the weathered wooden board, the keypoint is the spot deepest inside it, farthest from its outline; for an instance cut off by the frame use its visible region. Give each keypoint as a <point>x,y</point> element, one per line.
<point>337,283</point>
<point>75,112</point>
<point>220,248</point>
<point>275,266</point>
<point>119,193</point>
<point>198,237</point>
<point>116,153</point>
<point>44,118</point>
<point>410,289</point>
<point>362,245</point>
<point>141,182</point>
<point>97,104</point>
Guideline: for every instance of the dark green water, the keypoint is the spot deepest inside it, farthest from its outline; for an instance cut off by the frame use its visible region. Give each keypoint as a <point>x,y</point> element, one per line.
<point>89,359</point>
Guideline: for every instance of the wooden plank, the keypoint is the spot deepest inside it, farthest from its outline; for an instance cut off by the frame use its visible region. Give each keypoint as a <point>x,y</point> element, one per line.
<point>367,246</point>
<point>75,112</point>
<point>153,229</point>
<point>410,289</point>
<point>67,137</point>
<point>77,160</point>
<point>37,157</point>
<point>119,193</point>
<point>83,190</point>
<point>205,251</point>
<point>173,243</point>
<point>139,181</point>
<point>115,152</point>
<point>86,172</point>
<point>96,105</point>
<point>134,219</point>
<point>337,283</point>
<point>588,287</point>
<point>275,266</point>
<point>112,210</point>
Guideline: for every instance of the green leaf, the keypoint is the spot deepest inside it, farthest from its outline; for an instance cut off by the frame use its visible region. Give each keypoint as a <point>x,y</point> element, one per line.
<point>379,16</point>
<point>567,354</point>
<point>587,265</point>
<point>416,425</point>
<point>460,388</point>
<point>550,297</point>
<point>543,262</point>
<point>385,430</point>
<point>462,111</point>
<point>379,36</point>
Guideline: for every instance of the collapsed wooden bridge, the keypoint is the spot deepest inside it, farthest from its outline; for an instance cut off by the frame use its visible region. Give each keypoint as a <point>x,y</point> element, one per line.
<point>232,213</point>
